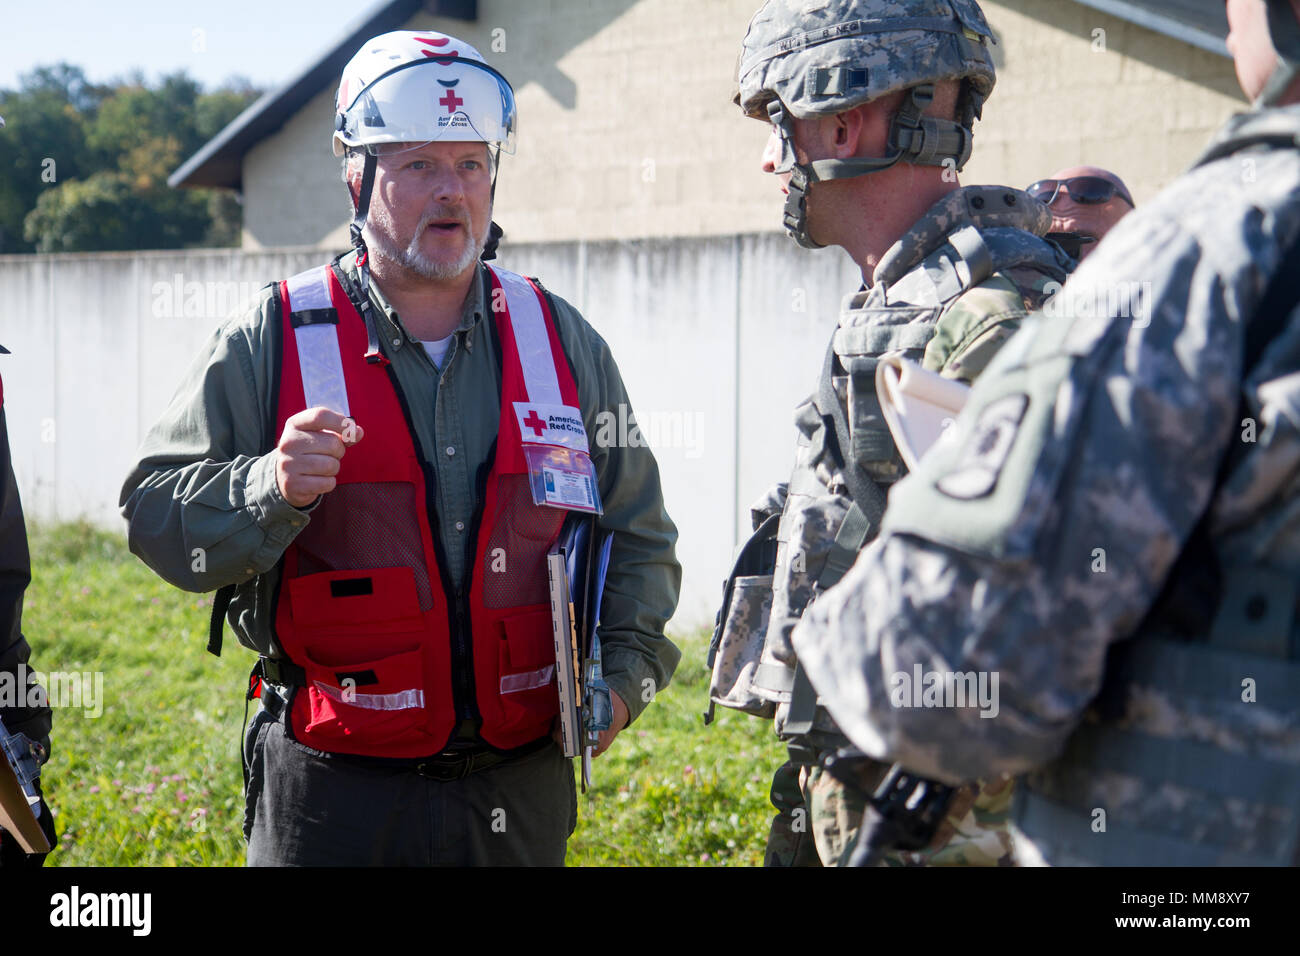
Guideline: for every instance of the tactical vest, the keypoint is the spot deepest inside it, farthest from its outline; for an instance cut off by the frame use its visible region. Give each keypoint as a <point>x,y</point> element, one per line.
<point>390,655</point>
<point>1190,754</point>
<point>975,235</point>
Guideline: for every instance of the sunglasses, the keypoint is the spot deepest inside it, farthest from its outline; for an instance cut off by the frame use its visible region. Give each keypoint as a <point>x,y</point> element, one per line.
<point>1085,190</point>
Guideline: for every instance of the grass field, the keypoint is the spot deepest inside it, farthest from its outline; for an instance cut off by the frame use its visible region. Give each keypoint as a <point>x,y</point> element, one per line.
<point>155,779</point>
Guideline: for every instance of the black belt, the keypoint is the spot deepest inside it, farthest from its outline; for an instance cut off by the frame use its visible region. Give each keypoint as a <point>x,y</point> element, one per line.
<point>455,763</point>
<point>459,764</point>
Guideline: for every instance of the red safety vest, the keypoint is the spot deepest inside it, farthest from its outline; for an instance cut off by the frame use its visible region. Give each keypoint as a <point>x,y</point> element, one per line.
<point>394,655</point>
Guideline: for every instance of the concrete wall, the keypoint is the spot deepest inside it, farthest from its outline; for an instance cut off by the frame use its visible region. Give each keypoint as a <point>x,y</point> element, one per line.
<point>717,339</point>
<point>627,129</point>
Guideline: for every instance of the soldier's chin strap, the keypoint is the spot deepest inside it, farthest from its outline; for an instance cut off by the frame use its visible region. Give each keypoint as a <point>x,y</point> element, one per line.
<point>1284,31</point>
<point>913,138</point>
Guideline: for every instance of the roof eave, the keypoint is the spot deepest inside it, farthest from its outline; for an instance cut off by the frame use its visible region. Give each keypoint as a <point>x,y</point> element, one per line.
<point>220,162</point>
<point>1161,23</point>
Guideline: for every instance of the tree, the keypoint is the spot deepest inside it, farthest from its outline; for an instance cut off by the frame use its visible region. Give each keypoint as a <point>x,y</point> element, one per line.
<point>85,167</point>
<point>44,142</point>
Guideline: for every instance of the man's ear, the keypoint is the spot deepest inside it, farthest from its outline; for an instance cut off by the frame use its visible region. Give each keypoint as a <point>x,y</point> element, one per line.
<point>846,132</point>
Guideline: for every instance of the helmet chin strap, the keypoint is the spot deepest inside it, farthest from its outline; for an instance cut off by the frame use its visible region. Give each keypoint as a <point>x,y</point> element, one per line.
<point>1284,31</point>
<point>913,138</point>
<point>495,232</point>
<point>356,233</point>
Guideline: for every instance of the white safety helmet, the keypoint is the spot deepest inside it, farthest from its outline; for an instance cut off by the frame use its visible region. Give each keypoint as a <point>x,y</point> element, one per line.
<point>406,89</point>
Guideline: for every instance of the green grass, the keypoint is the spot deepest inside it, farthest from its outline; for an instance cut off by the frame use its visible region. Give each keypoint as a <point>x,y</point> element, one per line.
<point>155,779</point>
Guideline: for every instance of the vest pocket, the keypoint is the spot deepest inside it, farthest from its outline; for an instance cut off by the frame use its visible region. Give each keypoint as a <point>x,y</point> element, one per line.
<point>526,670</point>
<point>355,603</point>
<point>369,705</point>
<point>741,645</point>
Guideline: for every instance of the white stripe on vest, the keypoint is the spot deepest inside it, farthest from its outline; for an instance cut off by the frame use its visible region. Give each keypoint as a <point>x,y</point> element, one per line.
<point>543,419</point>
<point>531,338</point>
<point>318,345</point>
<point>403,700</point>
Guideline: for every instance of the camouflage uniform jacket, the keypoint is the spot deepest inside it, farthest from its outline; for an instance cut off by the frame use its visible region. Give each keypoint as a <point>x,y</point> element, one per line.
<point>1042,529</point>
<point>925,305</point>
<point>948,294</point>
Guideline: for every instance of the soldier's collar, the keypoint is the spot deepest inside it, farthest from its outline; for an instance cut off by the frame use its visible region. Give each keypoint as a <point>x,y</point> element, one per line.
<point>984,207</point>
<point>1277,127</point>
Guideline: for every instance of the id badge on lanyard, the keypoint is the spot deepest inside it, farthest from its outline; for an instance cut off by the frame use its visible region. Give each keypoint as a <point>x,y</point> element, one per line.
<point>561,473</point>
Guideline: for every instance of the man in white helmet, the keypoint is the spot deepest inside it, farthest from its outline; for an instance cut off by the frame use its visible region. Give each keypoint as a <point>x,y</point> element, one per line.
<point>371,466</point>
<point>871,105</point>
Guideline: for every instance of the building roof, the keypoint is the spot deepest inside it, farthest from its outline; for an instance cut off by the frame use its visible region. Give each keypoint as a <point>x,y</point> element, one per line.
<point>1201,23</point>
<point>221,160</point>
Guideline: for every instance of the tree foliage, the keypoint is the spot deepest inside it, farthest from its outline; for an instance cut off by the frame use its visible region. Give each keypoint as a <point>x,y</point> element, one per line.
<point>84,167</point>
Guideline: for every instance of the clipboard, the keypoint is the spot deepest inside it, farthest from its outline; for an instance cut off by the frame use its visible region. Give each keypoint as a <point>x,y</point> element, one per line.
<point>576,568</point>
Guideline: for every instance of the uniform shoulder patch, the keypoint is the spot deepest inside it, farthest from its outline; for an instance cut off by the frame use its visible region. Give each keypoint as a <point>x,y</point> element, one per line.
<point>976,471</point>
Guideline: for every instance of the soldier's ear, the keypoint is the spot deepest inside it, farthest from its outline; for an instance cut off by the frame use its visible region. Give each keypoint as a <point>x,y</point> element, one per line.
<point>846,132</point>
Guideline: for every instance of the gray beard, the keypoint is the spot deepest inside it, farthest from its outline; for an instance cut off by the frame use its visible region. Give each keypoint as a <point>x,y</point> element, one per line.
<point>413,260</point>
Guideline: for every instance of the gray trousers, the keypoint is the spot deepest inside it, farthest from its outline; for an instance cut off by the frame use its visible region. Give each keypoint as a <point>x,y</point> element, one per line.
<point>304,810</point>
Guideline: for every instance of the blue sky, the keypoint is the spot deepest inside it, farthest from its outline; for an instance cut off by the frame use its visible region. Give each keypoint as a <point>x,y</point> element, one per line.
<point>267,41</point>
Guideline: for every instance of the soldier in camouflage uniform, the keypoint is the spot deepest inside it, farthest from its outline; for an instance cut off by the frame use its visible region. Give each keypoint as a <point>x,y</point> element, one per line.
<point>871,104</point>
<point>1112,527</point>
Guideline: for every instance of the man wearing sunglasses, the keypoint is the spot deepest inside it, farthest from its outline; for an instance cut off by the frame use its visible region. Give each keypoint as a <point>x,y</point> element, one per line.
<point>1086,202</point>
<point>372,464</point>
<point>1112,527</point>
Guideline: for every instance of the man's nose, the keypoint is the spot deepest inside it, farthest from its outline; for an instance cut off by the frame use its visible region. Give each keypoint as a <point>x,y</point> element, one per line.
<point>1063,205</point>
<point>447,187</point>
<point>772,151</point>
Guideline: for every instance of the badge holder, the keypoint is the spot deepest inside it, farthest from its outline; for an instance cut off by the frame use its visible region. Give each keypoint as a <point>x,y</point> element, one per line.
<point>562,478</point>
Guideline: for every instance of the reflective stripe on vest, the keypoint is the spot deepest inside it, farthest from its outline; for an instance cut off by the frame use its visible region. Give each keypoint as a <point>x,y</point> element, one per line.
<point>318,343</point>
<point>395,655</point>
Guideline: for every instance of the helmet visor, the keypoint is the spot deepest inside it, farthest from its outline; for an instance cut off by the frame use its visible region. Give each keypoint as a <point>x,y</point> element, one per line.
<point>451,99</point>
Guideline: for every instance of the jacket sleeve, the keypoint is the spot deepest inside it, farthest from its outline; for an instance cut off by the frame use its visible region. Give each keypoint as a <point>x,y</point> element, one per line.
<point>1043,530</point>
<point>15,575</point>
<point>202,504</point>
<point>644,579</point>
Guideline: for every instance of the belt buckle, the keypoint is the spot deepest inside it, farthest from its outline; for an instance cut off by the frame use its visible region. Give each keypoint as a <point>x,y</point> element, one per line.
<point>438,769</point>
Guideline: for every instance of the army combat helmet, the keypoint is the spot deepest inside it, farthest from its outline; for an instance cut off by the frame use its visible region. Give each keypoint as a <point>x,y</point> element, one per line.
<point>804,60</point>
<point>1284,31</point>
